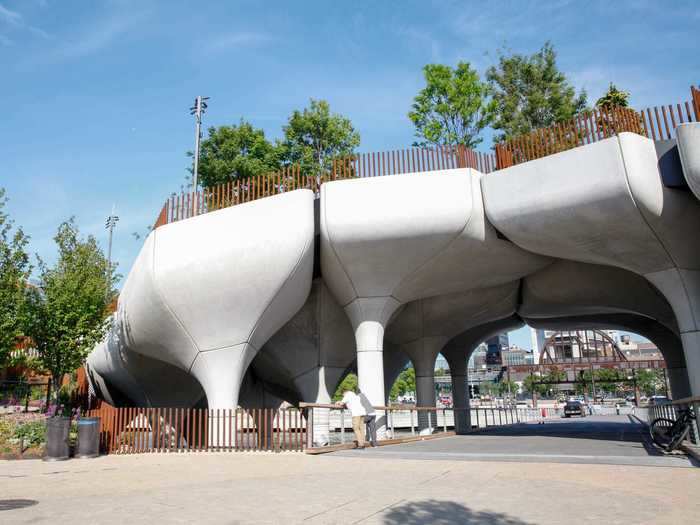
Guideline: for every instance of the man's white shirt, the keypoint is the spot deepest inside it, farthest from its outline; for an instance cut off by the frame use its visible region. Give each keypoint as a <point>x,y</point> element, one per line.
<point>354,404</point>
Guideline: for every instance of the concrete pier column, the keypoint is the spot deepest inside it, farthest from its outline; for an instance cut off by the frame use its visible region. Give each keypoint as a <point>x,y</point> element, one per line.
<point>680,386</point>
<point>460,390</point>
<point>682,290</point>
<point>220,372</point>
<point>425,397</point>
<point>423,352</point>
<point>369,317</point>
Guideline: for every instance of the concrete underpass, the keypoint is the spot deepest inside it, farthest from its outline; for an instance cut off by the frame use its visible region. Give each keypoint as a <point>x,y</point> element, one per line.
<point>616,440</point>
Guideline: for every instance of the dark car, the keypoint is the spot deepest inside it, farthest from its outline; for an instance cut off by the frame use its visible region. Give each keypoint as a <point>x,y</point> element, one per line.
<point>574,408</point>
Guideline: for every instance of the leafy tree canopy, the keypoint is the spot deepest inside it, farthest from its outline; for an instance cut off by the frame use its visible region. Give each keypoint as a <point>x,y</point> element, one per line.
<point>315,136</point>
<point>349,383</point>
<point>405,383</point>
<point>231,152</point>
<point>452,108</point>
<point>529,92</point>
<point>68,311</point>
<point>14,276</point>
<point>614,98</point>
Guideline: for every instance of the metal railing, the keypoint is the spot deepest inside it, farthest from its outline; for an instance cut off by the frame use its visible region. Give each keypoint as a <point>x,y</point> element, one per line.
<point>670,411</point>
<point>24,394</point>
<point>129,430</point>
<point>330,424</point>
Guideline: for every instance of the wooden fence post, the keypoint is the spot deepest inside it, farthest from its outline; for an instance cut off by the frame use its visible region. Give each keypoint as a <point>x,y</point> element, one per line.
<point>695,93</point>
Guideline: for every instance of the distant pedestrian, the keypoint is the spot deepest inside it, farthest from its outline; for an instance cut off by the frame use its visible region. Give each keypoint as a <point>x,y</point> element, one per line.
<point>352,402</point>
<point>370,420</point>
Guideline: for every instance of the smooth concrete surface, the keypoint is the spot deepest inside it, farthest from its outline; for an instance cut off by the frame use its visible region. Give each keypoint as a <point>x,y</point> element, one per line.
<point>457,352</point>
<point>401,249</point>
<point>605,204</point>
<point>407,262</point>
<point>328,489</point>
<point>688,140</point>
<point>424,326</point>
<point>193,277</point>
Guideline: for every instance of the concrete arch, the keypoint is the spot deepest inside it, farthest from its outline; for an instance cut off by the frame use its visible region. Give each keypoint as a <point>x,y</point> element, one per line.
<point>397,251</point>
<point>604,203</point>
<point>668,342</point>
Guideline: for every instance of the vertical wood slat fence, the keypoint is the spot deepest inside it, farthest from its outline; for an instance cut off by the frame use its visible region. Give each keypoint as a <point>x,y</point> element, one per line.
<point>657,123</point>
<point>129,430</point>
<point>397,162</point>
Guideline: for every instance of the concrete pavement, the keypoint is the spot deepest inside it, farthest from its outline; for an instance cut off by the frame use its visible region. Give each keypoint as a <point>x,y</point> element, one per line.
<point>616,440</point>
<point>296,488</point>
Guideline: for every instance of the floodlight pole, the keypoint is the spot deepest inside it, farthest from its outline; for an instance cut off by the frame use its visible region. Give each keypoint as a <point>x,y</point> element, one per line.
<point>200,106</point>
<point>110,223</point>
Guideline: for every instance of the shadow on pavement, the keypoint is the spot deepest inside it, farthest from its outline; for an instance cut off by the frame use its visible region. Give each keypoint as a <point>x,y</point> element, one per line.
<point>11,504</point>
<point>581,429</point>
<point>443,513</point>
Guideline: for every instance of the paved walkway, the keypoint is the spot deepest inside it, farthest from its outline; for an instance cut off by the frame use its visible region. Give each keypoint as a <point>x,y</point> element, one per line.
<point>615,440</point>
<point>296,488</point>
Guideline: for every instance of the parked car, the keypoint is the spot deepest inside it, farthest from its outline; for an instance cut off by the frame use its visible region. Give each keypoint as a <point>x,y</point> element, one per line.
<point>574,408</point>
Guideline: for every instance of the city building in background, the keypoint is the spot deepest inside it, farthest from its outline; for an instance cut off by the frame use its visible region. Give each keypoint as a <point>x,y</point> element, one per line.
<point>494,347</point>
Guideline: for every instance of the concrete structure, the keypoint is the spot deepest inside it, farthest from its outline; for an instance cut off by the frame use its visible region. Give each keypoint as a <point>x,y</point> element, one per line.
<point>409,266</point>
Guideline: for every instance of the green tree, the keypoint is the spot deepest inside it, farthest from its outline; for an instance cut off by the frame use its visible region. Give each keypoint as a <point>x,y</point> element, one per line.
<point>14,276</point>
<point>544,385</point>
<point>505,387</point>
<point>452,108</point>
<point>315,136</point>
<point>613,98</point>
<point>349,383</point>
<point>405,383</point>
<point>231,152</point>
<point>531,384</point>
<point>529,92</point>
<point>650,382</point>
<point>69,309</point>
<point>609,380</point>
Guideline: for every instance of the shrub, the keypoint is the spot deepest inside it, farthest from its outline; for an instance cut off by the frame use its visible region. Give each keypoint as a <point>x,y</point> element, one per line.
<point>33,433</point>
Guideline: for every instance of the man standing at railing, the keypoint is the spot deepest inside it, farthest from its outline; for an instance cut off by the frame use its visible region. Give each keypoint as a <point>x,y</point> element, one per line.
<point>370,420</point>
<point>352,402</point>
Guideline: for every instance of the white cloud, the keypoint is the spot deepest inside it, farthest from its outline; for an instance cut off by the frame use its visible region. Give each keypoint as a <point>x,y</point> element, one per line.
<point>15,19</point>
<point>235,40</point>
<point>12,17</point>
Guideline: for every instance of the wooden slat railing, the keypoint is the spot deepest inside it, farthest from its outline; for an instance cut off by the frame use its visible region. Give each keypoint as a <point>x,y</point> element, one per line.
<point>656,123</point>
<point>414,160</point>
<point>586,128</point>
<point>130,430</point>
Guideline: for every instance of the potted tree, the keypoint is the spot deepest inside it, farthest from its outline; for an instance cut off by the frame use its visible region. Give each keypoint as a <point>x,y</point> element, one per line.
<point>67,316</point>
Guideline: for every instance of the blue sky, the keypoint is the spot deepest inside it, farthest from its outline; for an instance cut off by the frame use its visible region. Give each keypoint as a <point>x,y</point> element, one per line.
<point>96,93</point>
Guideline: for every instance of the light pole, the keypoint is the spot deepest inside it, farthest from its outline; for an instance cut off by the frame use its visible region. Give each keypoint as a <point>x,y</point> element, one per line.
<point>200,107</point>
<point>110,223</point>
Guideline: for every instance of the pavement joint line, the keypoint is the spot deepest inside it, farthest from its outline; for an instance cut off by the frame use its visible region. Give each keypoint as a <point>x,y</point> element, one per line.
<point>379,511</point>
<point>331,509</point>
<point>434,477</point>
